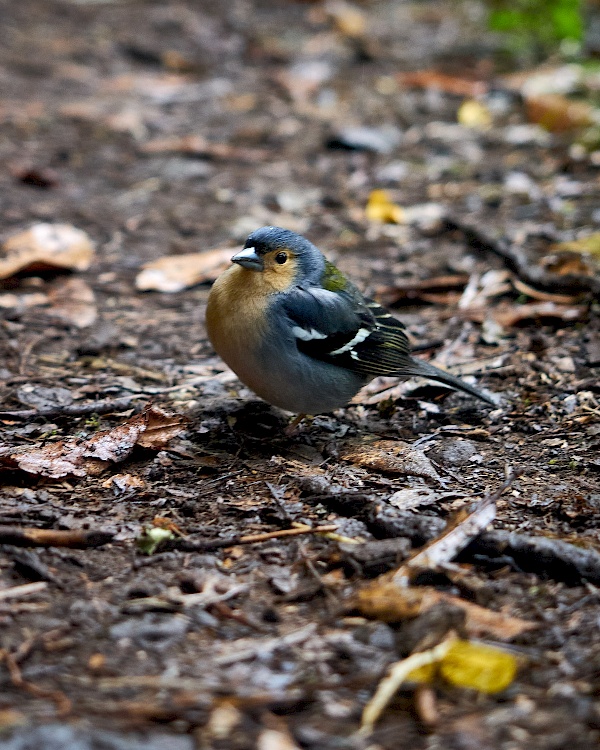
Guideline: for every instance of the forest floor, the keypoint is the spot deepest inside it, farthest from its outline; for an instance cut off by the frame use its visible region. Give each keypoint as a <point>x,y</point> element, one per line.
<point>168,128</point>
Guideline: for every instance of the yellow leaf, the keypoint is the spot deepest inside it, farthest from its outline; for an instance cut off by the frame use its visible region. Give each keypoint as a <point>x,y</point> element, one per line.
<point>473,114</point>
<point>424,673</point>
<point>589,245</point>
<point>380,208</point>
<point>479,667</point>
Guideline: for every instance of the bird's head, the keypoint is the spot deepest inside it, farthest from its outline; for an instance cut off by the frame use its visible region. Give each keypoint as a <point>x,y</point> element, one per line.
<point>283,257</point>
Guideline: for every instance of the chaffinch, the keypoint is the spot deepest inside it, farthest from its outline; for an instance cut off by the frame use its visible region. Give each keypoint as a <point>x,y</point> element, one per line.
<point>299,334</point>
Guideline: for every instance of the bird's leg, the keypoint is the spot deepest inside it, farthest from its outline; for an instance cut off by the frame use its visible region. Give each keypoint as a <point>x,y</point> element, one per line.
<point>291,428</point>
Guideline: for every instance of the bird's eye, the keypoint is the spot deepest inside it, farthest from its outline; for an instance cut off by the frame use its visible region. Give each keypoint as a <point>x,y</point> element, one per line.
<point>281,258</point>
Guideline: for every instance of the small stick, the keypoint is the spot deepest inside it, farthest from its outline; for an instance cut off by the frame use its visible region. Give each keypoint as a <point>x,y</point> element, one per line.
<point>75,410</point>
<point>16,592</point>
<point>193,545</point>
<point>74,538</point>
<point>251,538</point>
<point>60,700</point>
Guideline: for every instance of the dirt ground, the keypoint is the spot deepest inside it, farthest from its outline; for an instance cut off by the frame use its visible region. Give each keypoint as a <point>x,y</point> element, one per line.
<point>167,128</point>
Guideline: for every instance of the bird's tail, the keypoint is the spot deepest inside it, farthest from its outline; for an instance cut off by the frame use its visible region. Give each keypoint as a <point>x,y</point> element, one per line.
<point>417,367</point>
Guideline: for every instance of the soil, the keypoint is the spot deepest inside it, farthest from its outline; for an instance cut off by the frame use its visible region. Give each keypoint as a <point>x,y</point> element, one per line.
<point>272,653</point>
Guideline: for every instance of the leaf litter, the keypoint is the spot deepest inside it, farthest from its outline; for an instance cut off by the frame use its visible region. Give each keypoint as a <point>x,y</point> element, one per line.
<point>205,123</point>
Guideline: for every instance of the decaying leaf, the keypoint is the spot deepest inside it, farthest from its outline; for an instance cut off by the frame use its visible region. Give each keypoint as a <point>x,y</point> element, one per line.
<point>73,301</point>
<point>385,600</point>
<point>433,79</point>
<point>557,113</point>
<point>508,315</point>
<point>380,208</point>
<point>473,114</point>
<point>46,246</point>
<point>73,457</point>
<point>589,245</point>
<point>392,457</point>
<point>151,538</point>
<point>475,666</point>
<point>172,273</point>
<point>444,548</point>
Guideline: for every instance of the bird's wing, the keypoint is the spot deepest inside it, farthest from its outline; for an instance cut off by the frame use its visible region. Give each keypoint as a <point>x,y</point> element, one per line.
<point>344,328</point>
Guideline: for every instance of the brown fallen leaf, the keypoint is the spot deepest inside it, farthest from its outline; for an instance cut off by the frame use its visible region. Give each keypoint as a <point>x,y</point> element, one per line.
<point>46,246</point>
<point>449,84</point>
<point>387,601</point>
<point>172,273</point>
<point>392,457</point>
<point>508,315</point>
<point>411,289</point>
<point>73,301</point>
<point>75,457</point>
<point>557,113</point>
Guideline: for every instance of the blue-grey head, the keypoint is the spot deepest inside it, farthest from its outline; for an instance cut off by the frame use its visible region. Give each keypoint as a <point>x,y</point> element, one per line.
<point>285,257</point>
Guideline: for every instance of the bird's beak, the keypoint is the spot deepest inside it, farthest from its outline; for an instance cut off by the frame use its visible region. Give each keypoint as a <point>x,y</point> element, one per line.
<point>248,258</point>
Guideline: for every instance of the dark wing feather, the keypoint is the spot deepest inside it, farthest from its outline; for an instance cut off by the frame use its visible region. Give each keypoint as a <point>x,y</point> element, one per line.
<point>344,328</point>
<point>348,330</point>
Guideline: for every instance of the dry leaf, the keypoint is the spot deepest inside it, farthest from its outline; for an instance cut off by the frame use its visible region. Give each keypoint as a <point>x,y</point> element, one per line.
<point>380,208</point>
<point>387,601</point>
<point>510,315</point>
<point>172,273</point>
<point>73,301</point>
<point>46,246</point>
<point>76,457</point>
<point>449,84</point>
<point>392,457</point>
<point>557,113</point>
<point>478,667</point>
<point>455,537</point>
<point>589,245</point>
<point>469,665</point>
<point>475,115</point>
<point>349,19</point>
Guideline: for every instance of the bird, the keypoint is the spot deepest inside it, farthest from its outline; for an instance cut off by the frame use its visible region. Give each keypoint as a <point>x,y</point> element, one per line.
<point>302,336</point>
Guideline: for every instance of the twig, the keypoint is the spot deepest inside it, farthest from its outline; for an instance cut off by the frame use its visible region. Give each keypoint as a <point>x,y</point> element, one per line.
<point>62,703</point>
<point>549,558</point>
<point>455,537</point>
<point>75,410</point>
<point>16,592</point>
<point>73,538</point>
<point>396,675</point>
<point>517,260</point>
<point>202,545</point>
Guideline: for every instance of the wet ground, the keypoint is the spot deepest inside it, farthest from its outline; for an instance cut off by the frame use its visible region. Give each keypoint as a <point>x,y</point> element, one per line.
<point>171,128</point>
